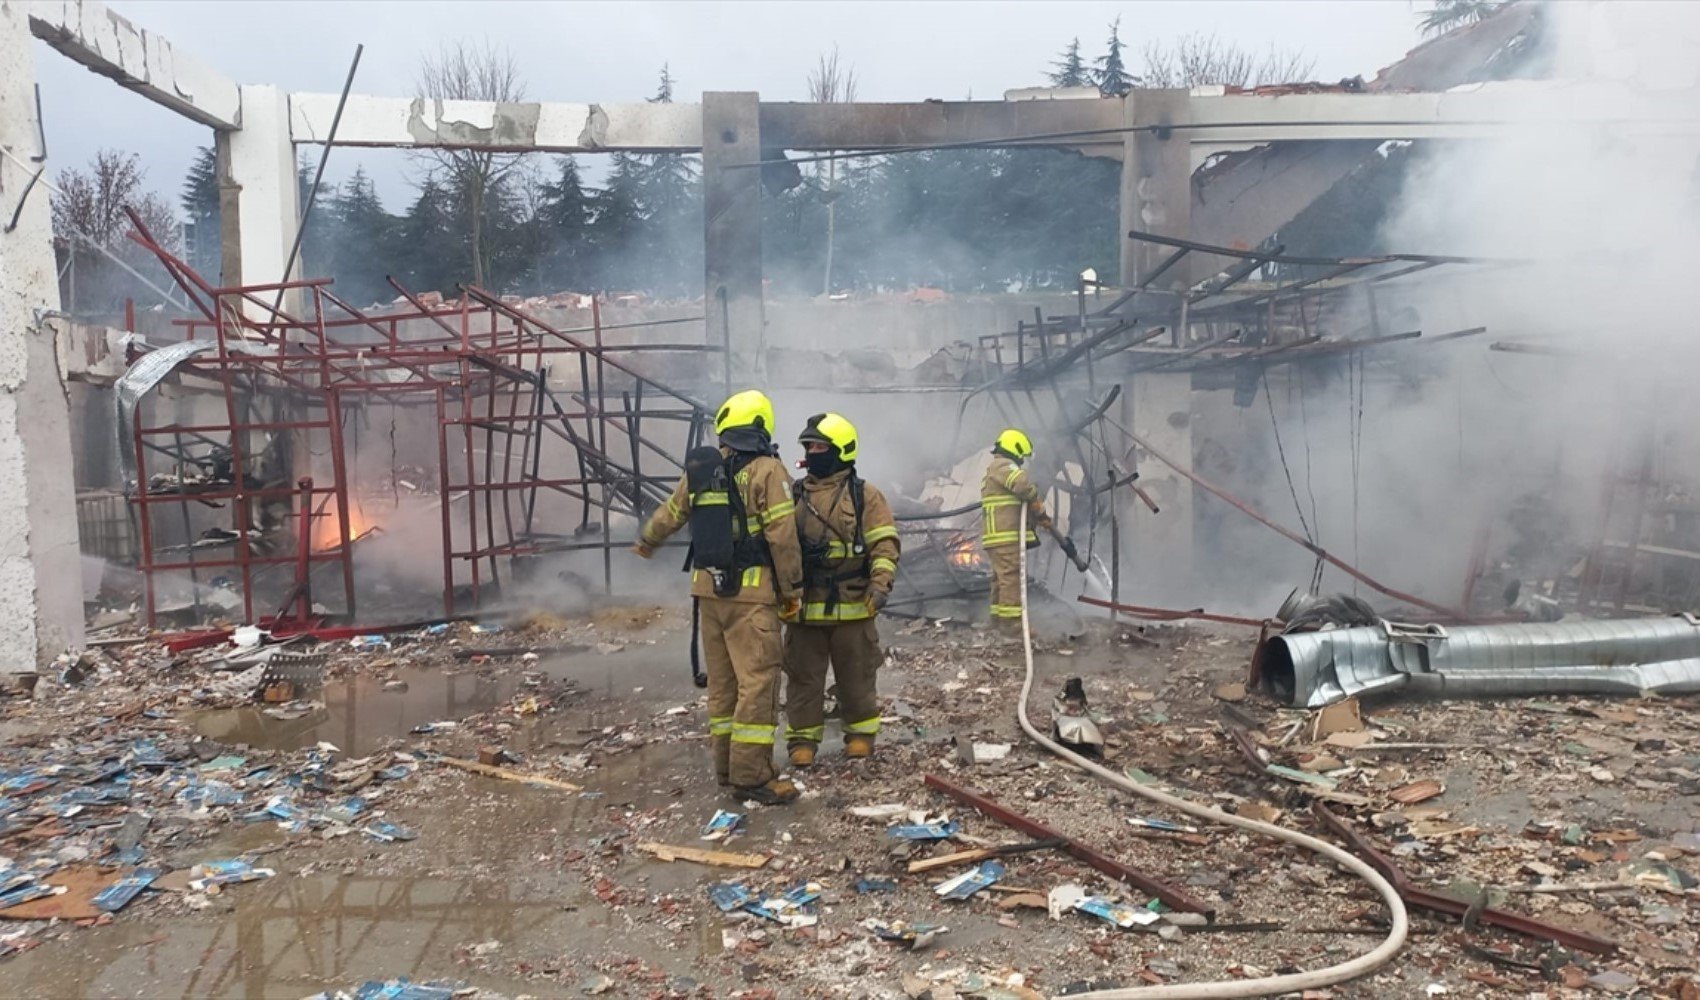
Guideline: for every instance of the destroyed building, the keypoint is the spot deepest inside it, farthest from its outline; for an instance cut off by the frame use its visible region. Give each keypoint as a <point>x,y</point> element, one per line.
<point>1356,470</point>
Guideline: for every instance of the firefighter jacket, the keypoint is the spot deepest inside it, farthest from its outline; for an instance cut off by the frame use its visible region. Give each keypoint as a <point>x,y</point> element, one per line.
<point>1004,490</point>
<point>765,489</point>
<point>836,578</point>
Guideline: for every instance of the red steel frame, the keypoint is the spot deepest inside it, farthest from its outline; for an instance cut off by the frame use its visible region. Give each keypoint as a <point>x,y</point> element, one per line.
<point>480,366</point>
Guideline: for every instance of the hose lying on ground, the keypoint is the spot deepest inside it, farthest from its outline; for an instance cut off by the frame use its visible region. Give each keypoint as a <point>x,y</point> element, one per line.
<point>1267,986</point>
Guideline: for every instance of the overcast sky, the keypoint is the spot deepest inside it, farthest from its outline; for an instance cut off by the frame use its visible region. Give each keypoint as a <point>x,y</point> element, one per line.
<point>613,52</point>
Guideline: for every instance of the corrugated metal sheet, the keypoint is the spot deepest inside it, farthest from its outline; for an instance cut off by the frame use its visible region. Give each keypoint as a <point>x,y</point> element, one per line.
<point>1311,669</point>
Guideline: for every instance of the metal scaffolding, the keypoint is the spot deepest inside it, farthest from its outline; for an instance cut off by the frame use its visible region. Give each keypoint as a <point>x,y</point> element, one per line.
<point>515,400</point>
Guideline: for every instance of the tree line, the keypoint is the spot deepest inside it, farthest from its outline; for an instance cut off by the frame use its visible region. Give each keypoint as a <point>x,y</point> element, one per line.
<point>962,220</point>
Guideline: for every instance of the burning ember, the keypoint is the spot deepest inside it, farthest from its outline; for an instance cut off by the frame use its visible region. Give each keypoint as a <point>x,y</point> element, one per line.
<point>965,553</point>
<point>327,533</point>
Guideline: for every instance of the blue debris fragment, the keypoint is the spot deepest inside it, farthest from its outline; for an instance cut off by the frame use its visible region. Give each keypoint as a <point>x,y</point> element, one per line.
<point>926,831</point>
<point>730,896</point>
<point>119,894</point>
<point>386,831</point>
<point>867,885</point>
<point>25,893</point>
<point>401,989</point>
<point>968,883</point>
<point>723,825</point>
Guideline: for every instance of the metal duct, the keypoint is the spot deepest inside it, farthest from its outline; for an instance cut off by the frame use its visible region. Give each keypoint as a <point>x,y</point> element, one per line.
<point>1625,657</point>
<point>147,373</point>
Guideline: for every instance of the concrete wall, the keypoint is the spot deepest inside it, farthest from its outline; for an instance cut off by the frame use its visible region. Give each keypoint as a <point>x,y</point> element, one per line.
<point>40,584</point>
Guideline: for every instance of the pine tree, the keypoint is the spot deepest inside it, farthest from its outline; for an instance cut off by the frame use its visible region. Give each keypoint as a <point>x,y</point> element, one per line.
<point>1070,70</point>
<point>433,244</point>
<point>563,222</point>
<point>511,241</point>
<point>617,218</point>
<point>1111,76</point>
<point>670,244</point>
<point>200,200</point>
<point>364,234</point>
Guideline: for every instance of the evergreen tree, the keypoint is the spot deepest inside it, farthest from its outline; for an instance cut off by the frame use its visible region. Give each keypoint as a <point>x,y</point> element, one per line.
<point>432,242</point>
<point>1111,76</point>
<point>510,238</point>
<point>563,226</point>
<point>1070,70</point>
<point>363,234</point>
<point>200,200</point>
<point>617,216</point>
<point>670,245</point>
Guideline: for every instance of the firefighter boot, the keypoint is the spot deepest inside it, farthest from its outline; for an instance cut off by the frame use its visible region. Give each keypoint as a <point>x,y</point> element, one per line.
<point>858,746</point>
<point>777,792</point>
<point>802,755</point>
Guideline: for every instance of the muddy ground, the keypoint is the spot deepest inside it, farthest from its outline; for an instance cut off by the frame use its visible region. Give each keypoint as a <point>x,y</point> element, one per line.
<point>511,889</point>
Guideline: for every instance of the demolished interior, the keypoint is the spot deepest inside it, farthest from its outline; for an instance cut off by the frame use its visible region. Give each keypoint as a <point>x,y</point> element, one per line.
<point>1380,630</point>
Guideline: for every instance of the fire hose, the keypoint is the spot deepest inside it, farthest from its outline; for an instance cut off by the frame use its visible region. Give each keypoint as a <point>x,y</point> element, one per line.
<point>1269,985</point>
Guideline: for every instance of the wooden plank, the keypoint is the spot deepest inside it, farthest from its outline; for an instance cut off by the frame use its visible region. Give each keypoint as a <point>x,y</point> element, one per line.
<point>703,856</point>
<point>491,771</point>
<point>945,860</point>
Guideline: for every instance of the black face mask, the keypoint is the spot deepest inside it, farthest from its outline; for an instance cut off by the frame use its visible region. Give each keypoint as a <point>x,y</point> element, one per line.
<point>821,463</point>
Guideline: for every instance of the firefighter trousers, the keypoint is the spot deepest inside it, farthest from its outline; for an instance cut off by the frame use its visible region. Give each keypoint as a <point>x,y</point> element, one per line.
<point>853,650</point>
<point>743,649</point>
<point>1007,593</point>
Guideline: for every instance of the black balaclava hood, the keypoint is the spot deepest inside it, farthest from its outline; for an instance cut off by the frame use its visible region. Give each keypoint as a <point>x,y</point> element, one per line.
<point>748,439</point>
<point>823,463</point>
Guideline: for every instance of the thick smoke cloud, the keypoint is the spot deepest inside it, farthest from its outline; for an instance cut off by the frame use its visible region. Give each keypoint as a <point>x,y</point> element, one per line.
<point>1596,228</point>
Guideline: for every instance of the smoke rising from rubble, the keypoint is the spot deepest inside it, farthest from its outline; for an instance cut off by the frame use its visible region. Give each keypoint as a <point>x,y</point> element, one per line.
<point>1601,224</point>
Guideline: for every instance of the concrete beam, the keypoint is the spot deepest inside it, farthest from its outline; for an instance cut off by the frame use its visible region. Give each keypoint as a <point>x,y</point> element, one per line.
<point>41,599</point>
<point>137,59</point>
<point>547,126</point>
<point>1484,111</point>
<point>587,128</point>
<point>731,220</point>
<point>809,126</point>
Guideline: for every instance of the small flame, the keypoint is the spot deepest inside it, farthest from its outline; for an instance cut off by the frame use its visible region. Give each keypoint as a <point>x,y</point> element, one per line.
<point>965,553</point>
<point>327,533</point>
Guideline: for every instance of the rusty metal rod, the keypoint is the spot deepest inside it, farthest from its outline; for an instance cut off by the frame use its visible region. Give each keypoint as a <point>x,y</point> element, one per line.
<point>1170,614</point>
<point>1311,547</point>
<point>1177,898</point>
<point>1424,899</point>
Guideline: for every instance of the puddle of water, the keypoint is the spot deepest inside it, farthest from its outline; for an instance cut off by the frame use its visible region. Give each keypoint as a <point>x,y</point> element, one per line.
<point>360,715</point>
<point>294,936</point>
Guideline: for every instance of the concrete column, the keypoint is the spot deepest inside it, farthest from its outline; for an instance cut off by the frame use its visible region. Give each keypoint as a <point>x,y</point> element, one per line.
<point>1156,189</point>
<point>731,219</point>
<point>1156,197</point>
<point>258,193</point>
<point>1159,565</point>
<point>41,600</point>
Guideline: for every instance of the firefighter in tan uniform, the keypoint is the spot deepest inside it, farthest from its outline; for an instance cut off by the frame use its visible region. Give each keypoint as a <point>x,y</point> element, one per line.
<point>747,575</point>
<point>850,552</point>
<point>1004,490</point>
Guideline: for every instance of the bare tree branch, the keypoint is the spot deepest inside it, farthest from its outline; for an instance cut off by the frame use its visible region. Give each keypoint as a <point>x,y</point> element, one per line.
<point>462,71</point>
<point>1198,59</point>
<point>830,82</point>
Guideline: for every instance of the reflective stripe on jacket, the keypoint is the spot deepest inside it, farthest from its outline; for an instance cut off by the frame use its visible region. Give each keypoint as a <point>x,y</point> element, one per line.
<point>765,488</point>
<point>835,526</point>
<point>1005,488</point>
